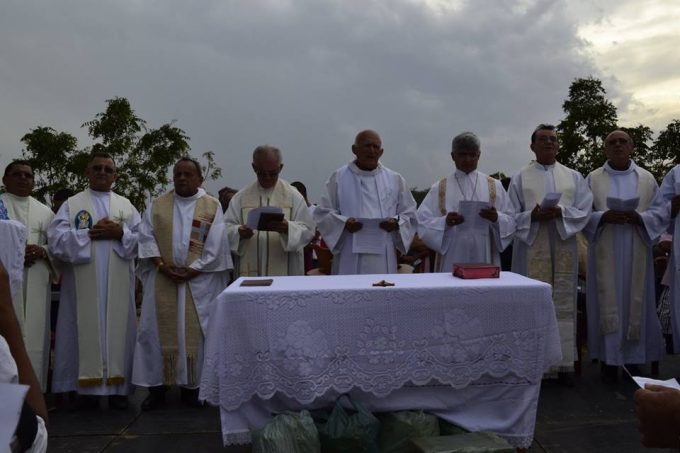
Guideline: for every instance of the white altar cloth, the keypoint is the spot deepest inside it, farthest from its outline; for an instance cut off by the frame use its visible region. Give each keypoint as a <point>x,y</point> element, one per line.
<point>470,351</point>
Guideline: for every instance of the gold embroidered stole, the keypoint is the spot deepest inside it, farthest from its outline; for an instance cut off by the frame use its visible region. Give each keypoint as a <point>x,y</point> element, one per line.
<point>166,290</point>
<point>604,250</point>
<point>554,263</point>
<point>90,355</point>
<point>263,254</point>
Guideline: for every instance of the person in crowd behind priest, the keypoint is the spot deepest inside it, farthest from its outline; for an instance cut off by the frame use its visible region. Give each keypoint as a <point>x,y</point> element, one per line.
<point>309,248</point>
<point>33,306</point>
<point>365,189</point>
<point>95,235</point>
<point>59,197</point>
<point>629,214</point>
<point>277,248</point>
<point>450,228</point>
<point>184,258</point>
<point>545,241</point>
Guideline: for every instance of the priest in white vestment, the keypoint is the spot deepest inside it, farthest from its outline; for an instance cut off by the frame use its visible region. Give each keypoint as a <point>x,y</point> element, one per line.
<point>629,214</point>
<point>32,305</point>
<point>278,247</point>
<point>670,189</point>
<point>545,246</point>
<point>365,189</point>
<point>184,265</point>
<point>95,234</point>
<point>444,228</point>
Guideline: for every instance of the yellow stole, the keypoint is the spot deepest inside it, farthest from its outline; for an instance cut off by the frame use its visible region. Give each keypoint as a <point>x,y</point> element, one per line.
<point>604,250</point>
<point>90,355</point>
<point>166,289</point>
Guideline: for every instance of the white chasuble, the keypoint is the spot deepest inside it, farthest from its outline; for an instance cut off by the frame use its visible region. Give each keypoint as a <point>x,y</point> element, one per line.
<point>377,194</point>
<point>33,302</point>
<point>96,324</point>
<point>622,322</point>
<point>547,251</point>
<point>270,252</point>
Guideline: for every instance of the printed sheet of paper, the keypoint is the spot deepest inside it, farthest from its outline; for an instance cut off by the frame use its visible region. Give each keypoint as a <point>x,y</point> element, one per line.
<point>254,215</point>
<point>12,397</point>
<point>470,212</point>
<point>370,238</point>
<point>551,200</point>
<point>618,204</point>
<point>642,381</point>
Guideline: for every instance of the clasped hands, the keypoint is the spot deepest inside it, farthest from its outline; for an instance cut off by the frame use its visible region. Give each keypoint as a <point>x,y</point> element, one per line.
<point>353,225</point>
<point>490,214</point>
<point>277,226</point>
<point>32,254</point>
<point>106,229</point>
<point>621,217</point>
<point>177,274</point>
<point>539,214</point>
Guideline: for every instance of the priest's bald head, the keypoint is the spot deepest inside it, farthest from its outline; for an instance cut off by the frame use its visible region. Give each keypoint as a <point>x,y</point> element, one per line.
<point>267,164</point>
<point>367,148</point>
<point>618,146</point>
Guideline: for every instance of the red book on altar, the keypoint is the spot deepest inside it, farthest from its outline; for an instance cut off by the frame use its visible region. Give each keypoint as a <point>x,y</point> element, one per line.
<point>476,270</point>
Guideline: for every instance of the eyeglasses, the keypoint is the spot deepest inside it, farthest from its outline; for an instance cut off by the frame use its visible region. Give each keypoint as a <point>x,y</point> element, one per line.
<point>105,168</point>
<point>267,174</point>
<point>617,141</point>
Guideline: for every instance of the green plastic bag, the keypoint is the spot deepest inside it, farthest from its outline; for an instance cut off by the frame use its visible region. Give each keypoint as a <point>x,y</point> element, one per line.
<point>289,432</point>
<point>398,427</point>
<point>344,433</point>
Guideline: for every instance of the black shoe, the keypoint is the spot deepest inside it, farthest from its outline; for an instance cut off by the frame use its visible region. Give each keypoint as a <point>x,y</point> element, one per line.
<point>85,403</point>
<point>565,379</point>
<point>155,399</point>
<point>118,402</point>
<point>189,397</point>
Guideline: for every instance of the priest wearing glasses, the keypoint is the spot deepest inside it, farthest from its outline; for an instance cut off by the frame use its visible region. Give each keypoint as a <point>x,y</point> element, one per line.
<point>466,217</point>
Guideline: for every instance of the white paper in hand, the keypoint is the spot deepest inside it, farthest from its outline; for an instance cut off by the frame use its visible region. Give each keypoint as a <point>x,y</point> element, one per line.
<point>551,200</point>
<point>254,215</point>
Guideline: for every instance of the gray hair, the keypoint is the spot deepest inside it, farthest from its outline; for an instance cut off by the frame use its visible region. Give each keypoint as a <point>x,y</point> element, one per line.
<point>465,140</point>
<point>263,151</point>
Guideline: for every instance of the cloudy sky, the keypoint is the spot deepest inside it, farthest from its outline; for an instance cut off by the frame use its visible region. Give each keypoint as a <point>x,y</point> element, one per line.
<point>306,75</point>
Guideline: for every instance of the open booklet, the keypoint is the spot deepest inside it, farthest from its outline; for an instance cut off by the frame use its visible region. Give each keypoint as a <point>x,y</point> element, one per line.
<point>259,218</point>
<point>470,212</point>
<point>551,200</point>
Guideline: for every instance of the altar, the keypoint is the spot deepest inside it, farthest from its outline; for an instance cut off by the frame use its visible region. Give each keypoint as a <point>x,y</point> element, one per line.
<point>470,351</point>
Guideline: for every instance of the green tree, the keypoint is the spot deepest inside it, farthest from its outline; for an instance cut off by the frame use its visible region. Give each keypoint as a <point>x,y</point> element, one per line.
<point>666,150</point>
<point>50,154</point>
<point>590,116</point>
<point>143,156</point>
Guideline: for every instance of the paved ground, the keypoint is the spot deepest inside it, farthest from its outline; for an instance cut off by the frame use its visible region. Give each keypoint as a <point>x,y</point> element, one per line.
<point>591,416</point>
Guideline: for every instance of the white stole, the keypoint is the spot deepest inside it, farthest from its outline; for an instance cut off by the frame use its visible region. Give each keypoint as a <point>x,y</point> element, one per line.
<point>90,355</point>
